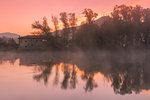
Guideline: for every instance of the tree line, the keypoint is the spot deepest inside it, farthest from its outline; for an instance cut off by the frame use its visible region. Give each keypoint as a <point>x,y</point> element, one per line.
<point>126,27</point>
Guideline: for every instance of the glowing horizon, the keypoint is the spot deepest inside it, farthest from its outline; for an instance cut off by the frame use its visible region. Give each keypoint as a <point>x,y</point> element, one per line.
<point>18,15</point>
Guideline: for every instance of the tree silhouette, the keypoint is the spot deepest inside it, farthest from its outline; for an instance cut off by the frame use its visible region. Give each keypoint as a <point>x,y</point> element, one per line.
<point>127,27</point>
<point>73,23</point>
<point>55,22</point>
<point>64,19</point>
<point>90,15</point>
<point>73,79</point>
<point>43,28</point>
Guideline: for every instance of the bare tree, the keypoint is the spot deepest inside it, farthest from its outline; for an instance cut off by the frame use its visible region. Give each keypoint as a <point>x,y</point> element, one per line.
<point>43,29</point>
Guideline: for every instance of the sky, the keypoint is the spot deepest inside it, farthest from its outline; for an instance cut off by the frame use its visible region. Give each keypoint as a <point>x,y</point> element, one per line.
<point>16,16</point>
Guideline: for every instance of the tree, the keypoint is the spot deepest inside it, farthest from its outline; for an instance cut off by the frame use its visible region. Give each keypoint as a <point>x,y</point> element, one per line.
<point>122,13</point>
<point>90,15</point>
<point>65,21</point>
<point>44,31</point>
<point>86,35</point>
<point>55,22</point>
<point>12,43</point>
<point>43,28</point>
<point>146,25</point>
<point>124,28</point>
<point>73,23</point>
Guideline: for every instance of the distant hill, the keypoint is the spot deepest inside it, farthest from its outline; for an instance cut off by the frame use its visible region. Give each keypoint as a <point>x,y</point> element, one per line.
<point>100,21</point>
<point>9,35</point>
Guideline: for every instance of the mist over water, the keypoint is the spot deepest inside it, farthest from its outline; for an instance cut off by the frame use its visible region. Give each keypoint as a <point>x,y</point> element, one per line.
<point>75,75</point>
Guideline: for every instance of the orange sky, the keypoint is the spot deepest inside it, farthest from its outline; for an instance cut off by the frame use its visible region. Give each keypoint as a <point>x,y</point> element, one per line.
<point>17,15</point>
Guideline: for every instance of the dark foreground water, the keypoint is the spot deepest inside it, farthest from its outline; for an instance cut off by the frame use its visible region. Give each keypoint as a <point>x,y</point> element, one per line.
<point>98,75</point>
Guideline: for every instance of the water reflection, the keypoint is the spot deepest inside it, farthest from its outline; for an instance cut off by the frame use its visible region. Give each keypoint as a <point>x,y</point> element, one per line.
<point>128,72</point>
<point>90,82</point>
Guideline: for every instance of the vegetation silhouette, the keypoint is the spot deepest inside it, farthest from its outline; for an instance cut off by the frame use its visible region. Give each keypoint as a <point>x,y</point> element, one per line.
<point>127,27</point>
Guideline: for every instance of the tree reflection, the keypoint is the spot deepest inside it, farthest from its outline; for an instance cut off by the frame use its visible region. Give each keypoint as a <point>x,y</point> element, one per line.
<point>90,82</point>
<point>127,72</point>
<point>56,80</point>
<point>128,79</point>
<point>122,86</point>
<point>45,73</point>
<point>66,77</point>
<point>73,79</point>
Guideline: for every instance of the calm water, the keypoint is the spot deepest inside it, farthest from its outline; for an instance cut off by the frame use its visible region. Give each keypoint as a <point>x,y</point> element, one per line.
<point>75,76</point>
